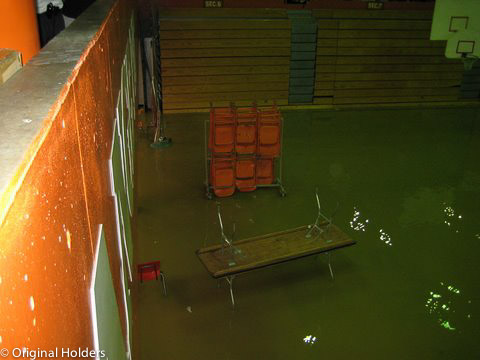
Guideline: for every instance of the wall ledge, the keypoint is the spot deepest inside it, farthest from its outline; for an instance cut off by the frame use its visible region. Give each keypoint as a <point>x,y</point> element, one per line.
<point>31,98</point>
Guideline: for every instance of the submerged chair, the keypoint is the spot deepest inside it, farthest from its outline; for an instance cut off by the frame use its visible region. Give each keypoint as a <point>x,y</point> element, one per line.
<point>151,271</point>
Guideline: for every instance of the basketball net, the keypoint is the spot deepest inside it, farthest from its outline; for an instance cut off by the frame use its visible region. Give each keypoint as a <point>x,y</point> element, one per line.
<point>469,61</point>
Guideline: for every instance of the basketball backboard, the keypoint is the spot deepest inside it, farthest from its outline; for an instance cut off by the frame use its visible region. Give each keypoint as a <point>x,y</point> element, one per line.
<point>458,22</point>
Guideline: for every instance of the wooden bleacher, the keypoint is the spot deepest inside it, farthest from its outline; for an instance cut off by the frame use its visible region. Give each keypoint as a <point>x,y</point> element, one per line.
<point>363,58</point>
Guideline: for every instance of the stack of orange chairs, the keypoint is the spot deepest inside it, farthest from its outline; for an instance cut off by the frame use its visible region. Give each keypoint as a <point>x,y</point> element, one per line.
<point>243,143</point>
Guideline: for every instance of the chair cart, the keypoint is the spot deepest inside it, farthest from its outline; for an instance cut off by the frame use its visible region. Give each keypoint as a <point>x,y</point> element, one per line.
<point>243,150</point>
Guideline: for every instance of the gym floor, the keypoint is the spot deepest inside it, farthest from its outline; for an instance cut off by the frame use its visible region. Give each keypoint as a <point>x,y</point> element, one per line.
<point>408,185</point>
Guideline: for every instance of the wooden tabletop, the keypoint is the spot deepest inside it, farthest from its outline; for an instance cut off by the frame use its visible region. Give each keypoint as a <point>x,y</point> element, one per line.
<point>265,250</point>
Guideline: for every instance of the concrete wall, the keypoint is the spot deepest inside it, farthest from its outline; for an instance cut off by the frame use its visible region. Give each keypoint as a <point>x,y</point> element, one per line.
<point>56,135</point>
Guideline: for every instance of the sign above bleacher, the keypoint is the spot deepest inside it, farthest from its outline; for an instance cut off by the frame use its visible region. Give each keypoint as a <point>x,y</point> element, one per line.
<point>213,3</point>
<point>375,5</point>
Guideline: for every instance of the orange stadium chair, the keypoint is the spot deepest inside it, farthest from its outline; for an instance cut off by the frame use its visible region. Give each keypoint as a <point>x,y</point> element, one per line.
<point>269,136</point>
<point>222,174</point>
<point>246,132</point>
<point>222,130</point>
<point>265,171</point>
<point>245,174</point>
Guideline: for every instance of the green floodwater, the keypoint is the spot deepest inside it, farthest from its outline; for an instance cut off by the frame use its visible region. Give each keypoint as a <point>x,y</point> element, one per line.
<point>408,185</point>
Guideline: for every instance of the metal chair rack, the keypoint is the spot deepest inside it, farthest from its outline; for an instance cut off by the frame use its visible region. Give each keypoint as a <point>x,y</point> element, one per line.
<point>278,163</point>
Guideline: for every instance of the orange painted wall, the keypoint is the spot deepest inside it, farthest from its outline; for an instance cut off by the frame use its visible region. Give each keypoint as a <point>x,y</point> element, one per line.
<point>48,237</point>
<point>18,27</point>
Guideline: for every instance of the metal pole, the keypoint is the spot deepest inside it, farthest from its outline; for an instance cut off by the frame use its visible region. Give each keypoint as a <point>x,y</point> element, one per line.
<point>316,224</point>
<point>207,185</point>
<point>280,170</point>
<point>281,151</point>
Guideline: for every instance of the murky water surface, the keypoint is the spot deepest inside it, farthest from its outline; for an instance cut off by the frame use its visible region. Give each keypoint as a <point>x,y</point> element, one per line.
<point>408,185</point>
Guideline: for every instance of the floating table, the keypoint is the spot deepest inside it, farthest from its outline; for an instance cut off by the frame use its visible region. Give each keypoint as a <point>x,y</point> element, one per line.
<point>261,251</point>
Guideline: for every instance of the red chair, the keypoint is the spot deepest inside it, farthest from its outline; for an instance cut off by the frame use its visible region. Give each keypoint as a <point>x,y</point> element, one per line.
<point>151,271</point>
<point>265,171</point>
<point>245,173</point>
<point>246,132</point>
<point>222,130</point>
<point>269,132</point>
<point>222,174</point>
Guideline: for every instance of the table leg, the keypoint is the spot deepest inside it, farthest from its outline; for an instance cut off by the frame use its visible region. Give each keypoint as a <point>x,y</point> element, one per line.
<point>230,282</point>
<point>162,277</point>
<point>330,265</point>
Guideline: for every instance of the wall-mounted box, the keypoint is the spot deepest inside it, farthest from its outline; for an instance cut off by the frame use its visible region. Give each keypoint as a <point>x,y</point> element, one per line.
<point>10,63</point>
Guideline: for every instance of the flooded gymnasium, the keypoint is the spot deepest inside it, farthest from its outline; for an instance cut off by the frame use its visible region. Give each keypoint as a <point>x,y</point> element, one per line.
<point>231,179</point>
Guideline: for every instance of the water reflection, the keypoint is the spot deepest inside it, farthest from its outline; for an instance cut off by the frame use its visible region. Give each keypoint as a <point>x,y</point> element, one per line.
<point>425,206</point>
<point>309,339</point>
<point>385,237</point>
<point>356,223</point>
<point>447,306</point>
<point>452,217</point>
